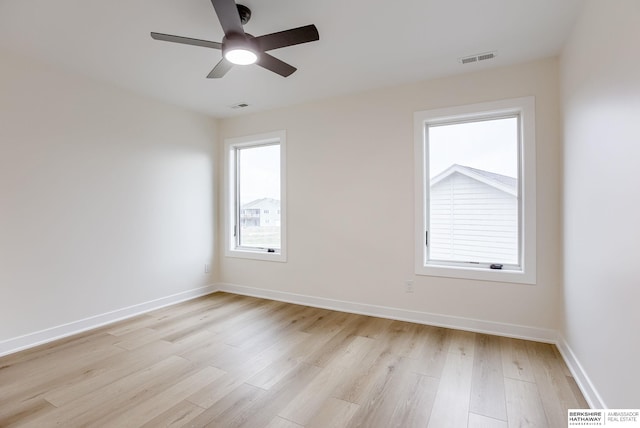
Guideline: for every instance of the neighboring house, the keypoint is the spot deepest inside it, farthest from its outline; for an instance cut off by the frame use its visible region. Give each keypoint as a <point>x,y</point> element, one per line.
<point>261,212</point>
<point>474,216</point>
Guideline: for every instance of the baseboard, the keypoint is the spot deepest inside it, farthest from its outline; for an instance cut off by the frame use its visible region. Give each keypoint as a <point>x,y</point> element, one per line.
<point>589,391</point>
<point>479,326</point>
<point>459,323</point>
<point>30,340</point>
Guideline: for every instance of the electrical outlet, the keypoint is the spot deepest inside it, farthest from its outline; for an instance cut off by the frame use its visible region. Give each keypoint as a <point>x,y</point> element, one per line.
<point>207,268</point>
<point>408,286</point>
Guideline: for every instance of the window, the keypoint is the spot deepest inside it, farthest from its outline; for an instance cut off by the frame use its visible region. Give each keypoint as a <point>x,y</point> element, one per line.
<point>475,191</point>
<point>255,197</point>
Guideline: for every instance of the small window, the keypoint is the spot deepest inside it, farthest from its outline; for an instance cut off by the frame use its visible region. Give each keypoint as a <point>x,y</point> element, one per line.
<point>476,181</point>
<point>255,191</point>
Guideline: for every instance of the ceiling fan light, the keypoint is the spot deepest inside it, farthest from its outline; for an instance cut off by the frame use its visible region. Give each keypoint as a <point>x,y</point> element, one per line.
<point>241,56</point>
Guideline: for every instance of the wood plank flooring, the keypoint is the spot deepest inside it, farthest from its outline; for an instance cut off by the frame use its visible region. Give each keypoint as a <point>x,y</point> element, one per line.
<point>233,361</point>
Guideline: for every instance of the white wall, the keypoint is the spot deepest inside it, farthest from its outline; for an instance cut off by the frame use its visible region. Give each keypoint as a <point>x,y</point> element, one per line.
<point>601,97</point>
<point>106,198</point>
<point>350,195</point>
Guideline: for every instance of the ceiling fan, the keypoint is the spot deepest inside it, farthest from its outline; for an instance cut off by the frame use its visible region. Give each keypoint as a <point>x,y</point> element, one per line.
<point>242,48</point>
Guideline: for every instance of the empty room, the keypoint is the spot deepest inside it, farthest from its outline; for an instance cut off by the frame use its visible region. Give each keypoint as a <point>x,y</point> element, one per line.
<point>285,214</point>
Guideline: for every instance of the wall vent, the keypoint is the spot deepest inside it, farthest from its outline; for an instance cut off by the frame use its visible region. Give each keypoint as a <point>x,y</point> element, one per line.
<point>478,57</point>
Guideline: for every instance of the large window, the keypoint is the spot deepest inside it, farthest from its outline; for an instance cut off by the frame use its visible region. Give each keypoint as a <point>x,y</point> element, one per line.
<point>475,184</point>
<point>256,197</point>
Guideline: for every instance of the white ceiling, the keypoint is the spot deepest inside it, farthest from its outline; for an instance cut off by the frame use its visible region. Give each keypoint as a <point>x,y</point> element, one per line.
<point>363,44</point>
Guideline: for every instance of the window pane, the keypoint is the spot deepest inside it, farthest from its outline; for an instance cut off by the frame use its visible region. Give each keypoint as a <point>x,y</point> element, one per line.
<point>473,203</point>
<point>259,196</point>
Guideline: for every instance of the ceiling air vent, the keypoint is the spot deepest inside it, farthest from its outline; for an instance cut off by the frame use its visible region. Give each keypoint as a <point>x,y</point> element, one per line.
<point>478,57</point>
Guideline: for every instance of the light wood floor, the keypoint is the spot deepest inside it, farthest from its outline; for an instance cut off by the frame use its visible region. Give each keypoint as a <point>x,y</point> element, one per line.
<point>227,361</point>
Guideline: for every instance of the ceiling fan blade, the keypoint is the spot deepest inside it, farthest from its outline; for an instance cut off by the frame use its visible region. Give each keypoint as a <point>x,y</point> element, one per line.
<point>186,40</point>
<point>228,16</point>
<point>274,64</point>
<point>220,69</point>
<point>295,36</point>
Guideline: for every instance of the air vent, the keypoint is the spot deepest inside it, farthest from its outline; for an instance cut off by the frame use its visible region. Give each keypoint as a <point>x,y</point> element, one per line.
<point>239,105</point>
<point>478,57</point>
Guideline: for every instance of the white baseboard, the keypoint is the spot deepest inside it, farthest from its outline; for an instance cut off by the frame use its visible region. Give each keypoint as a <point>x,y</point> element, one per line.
<point>479,326</point>
<point>459,323</point>
<point>589,391</point>
<point>488,327</point>
<point>30,340</point>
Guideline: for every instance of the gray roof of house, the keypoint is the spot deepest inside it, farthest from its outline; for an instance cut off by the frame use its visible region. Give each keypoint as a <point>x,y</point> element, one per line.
<point>503,182</point>
<point>504,179</point>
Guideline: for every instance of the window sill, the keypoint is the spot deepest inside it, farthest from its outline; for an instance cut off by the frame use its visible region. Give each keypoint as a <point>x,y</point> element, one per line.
<point>479,274</point>
<point>256,255</point>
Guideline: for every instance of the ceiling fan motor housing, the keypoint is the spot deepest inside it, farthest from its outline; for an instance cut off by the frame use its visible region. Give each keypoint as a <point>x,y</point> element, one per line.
<point>237,41</point>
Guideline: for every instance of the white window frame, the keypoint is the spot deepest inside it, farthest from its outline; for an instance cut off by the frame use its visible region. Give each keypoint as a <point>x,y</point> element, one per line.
<point>525,273</point>
<point>231,248</point>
